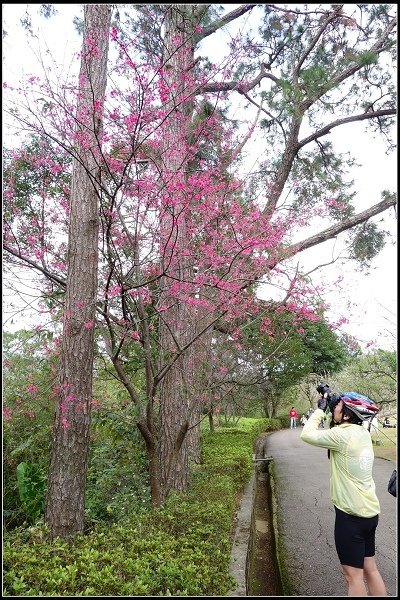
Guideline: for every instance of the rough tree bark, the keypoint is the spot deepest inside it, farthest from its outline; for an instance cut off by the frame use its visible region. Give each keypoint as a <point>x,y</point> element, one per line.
<point>65,502</point>
<point>177,329</point>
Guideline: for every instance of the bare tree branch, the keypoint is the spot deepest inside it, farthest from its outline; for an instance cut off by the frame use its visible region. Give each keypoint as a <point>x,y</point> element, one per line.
<point>234,14</point>
<point>329,18</point>
<point>238,86</point>
<point>348,223</point>
<point>361,117</point>
<point>31,263</point>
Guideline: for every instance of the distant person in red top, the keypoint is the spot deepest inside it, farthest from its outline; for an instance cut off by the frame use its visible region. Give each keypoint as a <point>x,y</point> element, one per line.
<point>293,418</point>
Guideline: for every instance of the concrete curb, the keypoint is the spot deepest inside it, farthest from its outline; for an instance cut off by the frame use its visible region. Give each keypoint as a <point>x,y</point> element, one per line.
<point>238,564</point>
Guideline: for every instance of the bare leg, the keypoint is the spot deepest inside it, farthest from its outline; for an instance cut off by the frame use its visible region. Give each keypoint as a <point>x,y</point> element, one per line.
<point>355,581</point>
<point>374,579</point>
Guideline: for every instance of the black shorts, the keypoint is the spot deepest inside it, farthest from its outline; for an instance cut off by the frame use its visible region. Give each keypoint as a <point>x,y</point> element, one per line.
<point>354,538</point>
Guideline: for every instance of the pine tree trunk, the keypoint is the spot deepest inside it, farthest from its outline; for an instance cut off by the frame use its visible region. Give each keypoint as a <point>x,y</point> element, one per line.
<point>177,330</point>
<point>201,386</point>
<point>65,502</point>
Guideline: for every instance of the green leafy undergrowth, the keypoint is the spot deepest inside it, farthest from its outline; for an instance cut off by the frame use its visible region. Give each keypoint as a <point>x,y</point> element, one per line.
<point>31,485</point>
<point>117,483</point>
<point>181,550</point>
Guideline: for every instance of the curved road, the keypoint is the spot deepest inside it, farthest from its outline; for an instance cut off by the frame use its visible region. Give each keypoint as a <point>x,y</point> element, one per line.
<point>306,517</point>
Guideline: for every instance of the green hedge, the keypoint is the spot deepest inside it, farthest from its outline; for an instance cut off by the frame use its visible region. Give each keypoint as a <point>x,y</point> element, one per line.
<point>181,550</point>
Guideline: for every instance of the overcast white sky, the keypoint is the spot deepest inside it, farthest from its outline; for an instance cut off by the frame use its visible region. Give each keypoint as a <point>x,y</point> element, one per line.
<point>372,298</point>
<point>371,302</point>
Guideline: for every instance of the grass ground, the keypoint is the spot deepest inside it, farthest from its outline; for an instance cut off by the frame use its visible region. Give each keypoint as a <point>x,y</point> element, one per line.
<point>385,443</point>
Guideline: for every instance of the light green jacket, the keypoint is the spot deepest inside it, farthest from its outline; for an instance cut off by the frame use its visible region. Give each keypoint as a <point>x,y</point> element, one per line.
<point>352,488</point>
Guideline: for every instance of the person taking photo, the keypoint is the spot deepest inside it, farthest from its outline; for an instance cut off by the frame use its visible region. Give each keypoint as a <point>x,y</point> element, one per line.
<point>352,488</point>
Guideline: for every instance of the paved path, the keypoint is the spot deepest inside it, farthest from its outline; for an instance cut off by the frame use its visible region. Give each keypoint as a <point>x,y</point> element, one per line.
<point>307,517</point>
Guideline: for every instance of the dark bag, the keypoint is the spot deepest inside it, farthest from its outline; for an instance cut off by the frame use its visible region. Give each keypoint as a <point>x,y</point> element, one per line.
<point>392,485</point>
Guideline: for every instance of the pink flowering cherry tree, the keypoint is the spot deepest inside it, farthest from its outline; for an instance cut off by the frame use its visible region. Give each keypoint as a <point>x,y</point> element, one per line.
<point>183,240</point>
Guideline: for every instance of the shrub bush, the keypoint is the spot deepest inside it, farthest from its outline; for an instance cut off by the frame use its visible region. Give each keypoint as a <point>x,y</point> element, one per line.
<point>117,483</point>
<point>181,550</point>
